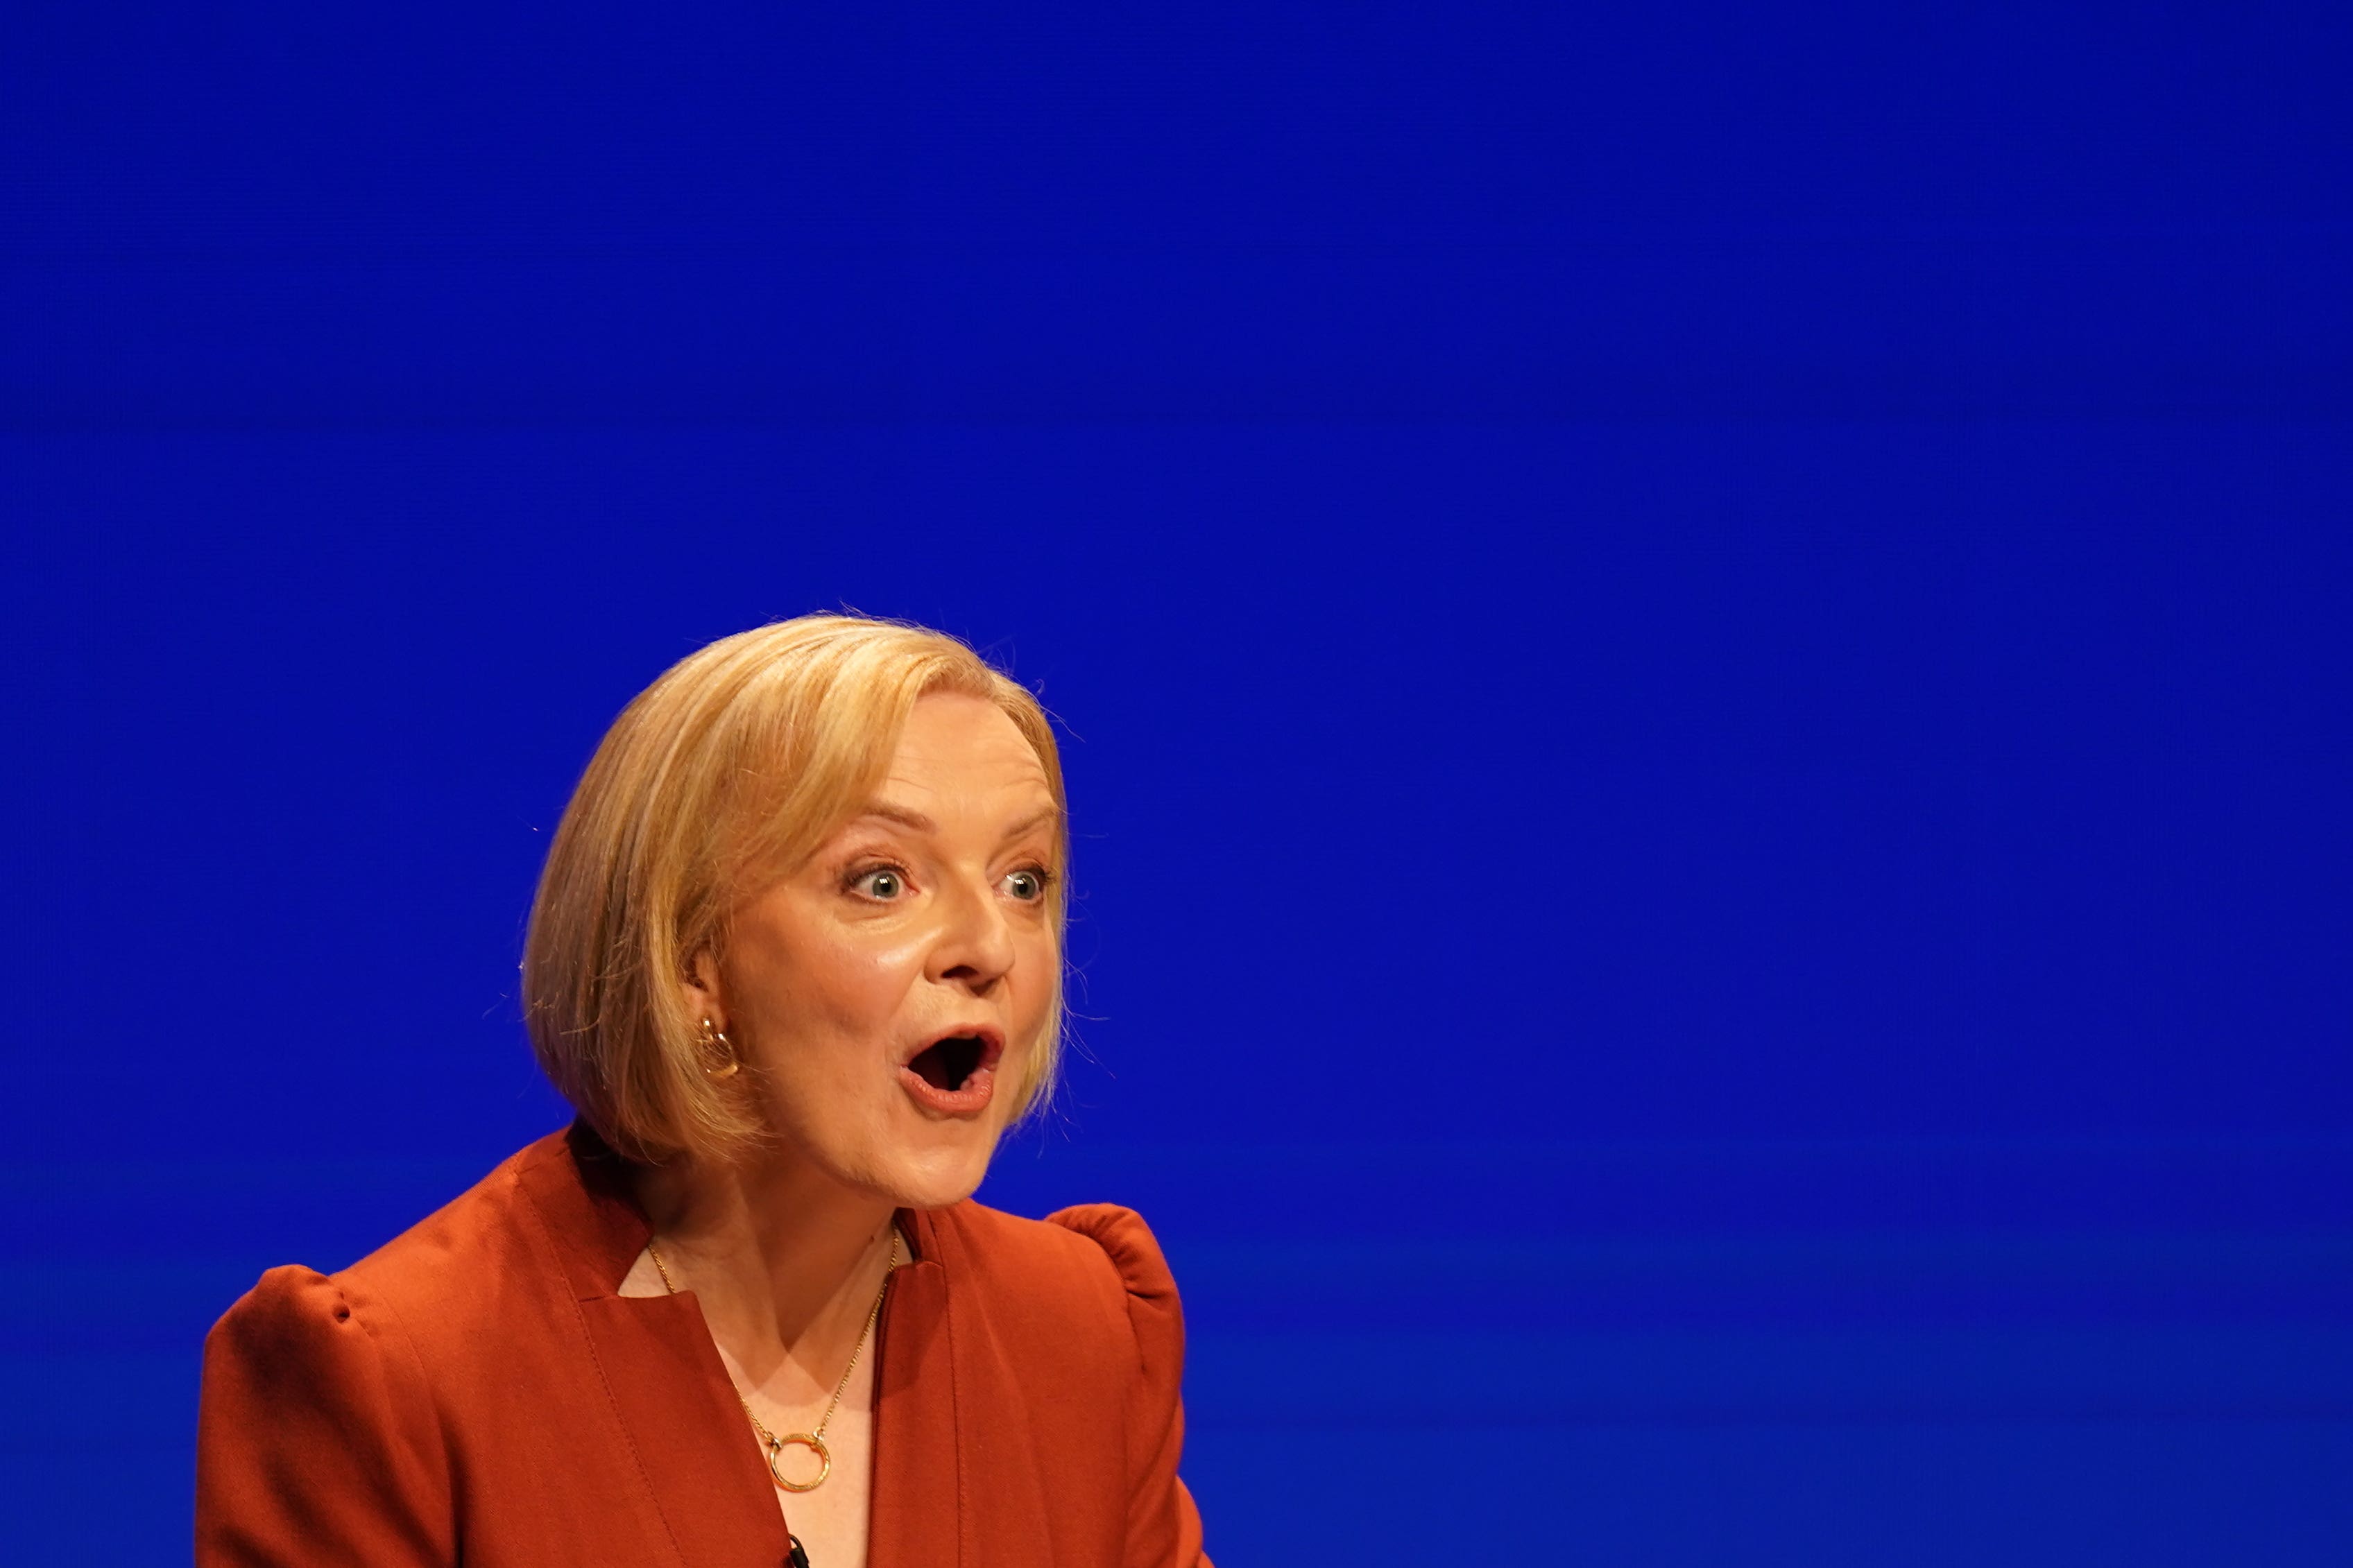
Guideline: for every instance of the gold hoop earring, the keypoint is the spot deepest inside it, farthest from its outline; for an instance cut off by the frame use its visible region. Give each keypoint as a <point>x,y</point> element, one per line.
<point>715,1039</point>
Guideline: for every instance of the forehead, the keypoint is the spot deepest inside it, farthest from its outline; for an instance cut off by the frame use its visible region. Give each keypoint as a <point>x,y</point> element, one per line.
<point>955,745</point>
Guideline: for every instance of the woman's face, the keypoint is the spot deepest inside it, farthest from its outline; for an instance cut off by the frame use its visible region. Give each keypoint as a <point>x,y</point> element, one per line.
<point>888,996</point>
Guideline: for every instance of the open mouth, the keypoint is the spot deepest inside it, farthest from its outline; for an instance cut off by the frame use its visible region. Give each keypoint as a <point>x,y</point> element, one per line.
<point>949,1064</point>
<point>956,1074</point>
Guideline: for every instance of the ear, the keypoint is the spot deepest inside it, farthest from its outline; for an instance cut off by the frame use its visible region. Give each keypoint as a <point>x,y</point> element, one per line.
<point>702,991</point>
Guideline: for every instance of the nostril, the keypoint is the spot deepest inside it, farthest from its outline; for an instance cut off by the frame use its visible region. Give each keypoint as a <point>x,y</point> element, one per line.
<point>975,981</point>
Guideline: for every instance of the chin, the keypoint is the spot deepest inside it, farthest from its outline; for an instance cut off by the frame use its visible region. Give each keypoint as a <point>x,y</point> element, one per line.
<point>934,1176</point>
<point>952,1100</point>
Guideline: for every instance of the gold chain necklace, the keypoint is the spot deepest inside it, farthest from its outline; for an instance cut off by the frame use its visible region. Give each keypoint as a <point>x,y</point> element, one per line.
<point>813,1441</point>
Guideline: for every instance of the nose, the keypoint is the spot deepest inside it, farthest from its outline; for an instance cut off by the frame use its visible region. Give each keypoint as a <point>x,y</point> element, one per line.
<point>974,947</point>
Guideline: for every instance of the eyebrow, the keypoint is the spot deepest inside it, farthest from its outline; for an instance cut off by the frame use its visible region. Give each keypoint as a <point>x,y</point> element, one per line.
<point>1034,820</point>
<point>916,821</point>
<point>901,815</point>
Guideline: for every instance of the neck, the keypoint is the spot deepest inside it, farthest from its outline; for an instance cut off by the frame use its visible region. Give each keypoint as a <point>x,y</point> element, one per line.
<point>778,1251</point>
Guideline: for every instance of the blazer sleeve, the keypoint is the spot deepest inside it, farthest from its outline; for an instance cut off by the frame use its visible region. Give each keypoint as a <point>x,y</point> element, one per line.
<point>316,1438</point>
<point>1164,1527</point>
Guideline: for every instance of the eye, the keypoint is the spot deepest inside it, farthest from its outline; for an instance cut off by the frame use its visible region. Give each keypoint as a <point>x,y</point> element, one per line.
<point>1028,885</point>
<point>883,882</point>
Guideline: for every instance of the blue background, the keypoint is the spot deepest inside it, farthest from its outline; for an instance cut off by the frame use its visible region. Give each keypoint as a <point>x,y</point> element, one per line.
<point>1705,654</point>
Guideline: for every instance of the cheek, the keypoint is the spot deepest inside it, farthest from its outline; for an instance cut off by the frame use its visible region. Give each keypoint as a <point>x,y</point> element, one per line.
<point>840,982</point>
<point>1040,966</point>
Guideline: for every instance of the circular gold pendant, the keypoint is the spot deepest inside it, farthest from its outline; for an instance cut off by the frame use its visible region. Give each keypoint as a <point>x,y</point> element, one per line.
<point>815,1444</point>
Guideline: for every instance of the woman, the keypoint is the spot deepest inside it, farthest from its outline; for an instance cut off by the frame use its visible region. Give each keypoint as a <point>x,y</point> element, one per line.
<point>795,962</point>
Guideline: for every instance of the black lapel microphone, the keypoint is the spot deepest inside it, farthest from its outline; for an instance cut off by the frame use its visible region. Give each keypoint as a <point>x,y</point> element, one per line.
<point>798,1556</point>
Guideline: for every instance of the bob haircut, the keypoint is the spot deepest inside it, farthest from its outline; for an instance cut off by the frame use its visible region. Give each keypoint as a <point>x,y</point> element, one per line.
<point>727,773</point>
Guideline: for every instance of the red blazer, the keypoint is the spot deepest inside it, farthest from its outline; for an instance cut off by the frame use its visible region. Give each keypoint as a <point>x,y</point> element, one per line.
<point>477,1393</point>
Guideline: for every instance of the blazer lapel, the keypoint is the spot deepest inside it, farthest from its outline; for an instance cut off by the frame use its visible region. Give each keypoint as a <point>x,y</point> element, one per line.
<point>696,1451</point>
<point>669,1389</point>
<point>916,1512</point>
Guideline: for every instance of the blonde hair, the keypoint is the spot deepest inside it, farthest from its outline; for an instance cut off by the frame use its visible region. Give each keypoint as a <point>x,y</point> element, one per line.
<point>726,774</point>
